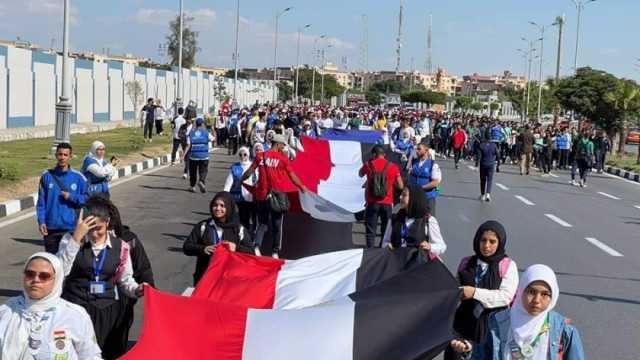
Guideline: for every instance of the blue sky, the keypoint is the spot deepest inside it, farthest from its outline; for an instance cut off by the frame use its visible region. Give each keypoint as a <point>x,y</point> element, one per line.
<point>468,35</point>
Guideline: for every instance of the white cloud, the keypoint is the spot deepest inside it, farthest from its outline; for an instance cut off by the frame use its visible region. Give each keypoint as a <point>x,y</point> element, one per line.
<point>201,17</point>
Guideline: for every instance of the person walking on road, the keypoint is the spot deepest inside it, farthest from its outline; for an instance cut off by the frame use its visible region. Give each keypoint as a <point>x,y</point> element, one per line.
<point>179,135</point>
<point>222,228</point>
<point>381,175</point>
<point>159,116</point>
<point>242,196</point>
<point>271,192</point>
<point>530,329</point>
<point>197,152</point>
<point>38,324</point>
<point>98,171</point>
<point>526,141</point>
<point>601,147</point>
<point>425,173</point>
<point>459,141</point>
<point>488,157</point>
<point>149,113</point>
<point>489,280</point>
<point>584,157</point>
<point>563,141</point>
<point>62,191</point>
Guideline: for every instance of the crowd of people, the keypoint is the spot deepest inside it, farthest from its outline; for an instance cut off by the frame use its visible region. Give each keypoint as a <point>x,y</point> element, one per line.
<point>94,267</point>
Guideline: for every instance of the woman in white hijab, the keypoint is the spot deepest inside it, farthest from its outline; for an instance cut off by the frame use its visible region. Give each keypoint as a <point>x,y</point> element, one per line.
<point>39,324</point>
<point>530,329</point>
<point>97,170</point>
<point>242,196</point>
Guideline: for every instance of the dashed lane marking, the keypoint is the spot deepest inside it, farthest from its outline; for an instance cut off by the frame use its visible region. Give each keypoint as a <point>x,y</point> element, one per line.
<point>602,246</point>
<point>553,175</point>
<point>502,187</point>
<point>608,195</point>
<point>464,218</point>
<point>636,206</point>
<point>524,200</point>
<point>558,220</point>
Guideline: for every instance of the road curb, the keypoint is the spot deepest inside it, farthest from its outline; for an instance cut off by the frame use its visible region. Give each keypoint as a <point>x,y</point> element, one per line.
<point>625,174</point>
<point>11,207</point>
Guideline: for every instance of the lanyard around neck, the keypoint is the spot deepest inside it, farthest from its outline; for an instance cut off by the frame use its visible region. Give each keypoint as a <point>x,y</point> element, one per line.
<point>98,264</point>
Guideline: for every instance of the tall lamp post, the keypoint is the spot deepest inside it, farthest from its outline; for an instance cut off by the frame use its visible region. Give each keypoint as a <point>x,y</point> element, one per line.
<point>313,81</point>
<point>181,26</point>
<point>298,59</point>
<point>275,55</point>
<point>531,51</point>
<point>580,4</point>
<point>542,28</point>
<point>63,107</point>
<point>324,65</point>
<point>525,56</point>
<point>235,56</point>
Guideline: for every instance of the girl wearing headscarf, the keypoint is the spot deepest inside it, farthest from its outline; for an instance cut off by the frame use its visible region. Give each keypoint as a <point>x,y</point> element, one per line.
<point>241,195</point>
<point>413,225</point>
<point>39,324</point>
<point>488,280</point>
<point>530,329</point>
<point>98,269</point>
<point>223,227</point>
<point>97,170</point>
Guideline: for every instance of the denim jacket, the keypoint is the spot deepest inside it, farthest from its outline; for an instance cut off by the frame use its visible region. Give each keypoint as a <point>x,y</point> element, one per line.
<point>565,342</point>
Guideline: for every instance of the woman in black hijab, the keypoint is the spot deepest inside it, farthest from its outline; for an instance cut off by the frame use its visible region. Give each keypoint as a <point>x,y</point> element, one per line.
<point>222,228</point>
<point>488,279</point>
<point>413,226</point>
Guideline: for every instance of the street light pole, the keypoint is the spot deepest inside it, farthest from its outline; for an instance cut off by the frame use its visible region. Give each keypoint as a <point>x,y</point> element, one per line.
<point>313,81</point>
<point>275,55</point>
<point>580,4</point>
<point>235,55</point>
<point>324,65</point>
<point>181,26</point>
<point>64,107</point>
<point>298,60</point>
<point>542,28</point>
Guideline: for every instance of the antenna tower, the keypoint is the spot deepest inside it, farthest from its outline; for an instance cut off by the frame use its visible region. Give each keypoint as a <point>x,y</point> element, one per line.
<point>399,39</point>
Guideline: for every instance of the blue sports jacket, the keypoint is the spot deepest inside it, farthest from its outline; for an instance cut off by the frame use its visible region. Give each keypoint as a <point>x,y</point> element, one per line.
<point>52,209</point>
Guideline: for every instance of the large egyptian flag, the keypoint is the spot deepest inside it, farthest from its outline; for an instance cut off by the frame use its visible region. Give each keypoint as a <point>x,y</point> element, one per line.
<point>408,316</point>
<point>266,283</point>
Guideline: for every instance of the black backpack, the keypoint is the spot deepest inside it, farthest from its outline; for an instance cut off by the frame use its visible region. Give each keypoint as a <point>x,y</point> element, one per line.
<point>182,133</point>
<point>378,184</point>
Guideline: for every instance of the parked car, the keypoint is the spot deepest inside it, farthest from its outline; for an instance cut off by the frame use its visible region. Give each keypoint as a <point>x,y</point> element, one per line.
<point>633,137</point>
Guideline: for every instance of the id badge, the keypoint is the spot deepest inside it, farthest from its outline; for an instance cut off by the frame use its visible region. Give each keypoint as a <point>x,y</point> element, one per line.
<point>97,287</point>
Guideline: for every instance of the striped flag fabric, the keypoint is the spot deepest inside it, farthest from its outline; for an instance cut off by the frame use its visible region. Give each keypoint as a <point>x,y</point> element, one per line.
<point>406,316</point>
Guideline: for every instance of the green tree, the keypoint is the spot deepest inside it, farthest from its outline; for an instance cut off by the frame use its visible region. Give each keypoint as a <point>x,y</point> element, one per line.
<point>494,107</point>
<point>305,85</point>
<point>549,98</point>
<point>285,91</point>
<point>189,42</point>
<point>373,98</point>
<point>626,99</point>
<point>463,103</point>
<point>476,106</point>
<point>424,97</point>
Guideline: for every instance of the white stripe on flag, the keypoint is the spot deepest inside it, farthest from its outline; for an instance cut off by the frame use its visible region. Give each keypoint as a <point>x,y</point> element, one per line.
<point>322,209</point>
<point>317,333</point>
<point>344,186</point>
<point>317,279</point>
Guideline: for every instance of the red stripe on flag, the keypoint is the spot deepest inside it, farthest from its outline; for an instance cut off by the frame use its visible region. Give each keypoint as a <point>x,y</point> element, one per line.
<point>178,327</point>
<point>314,163</point>
<point>241,279</point>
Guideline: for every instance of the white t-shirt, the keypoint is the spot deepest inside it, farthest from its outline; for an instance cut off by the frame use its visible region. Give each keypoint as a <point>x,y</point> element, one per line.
<point>179,121</point>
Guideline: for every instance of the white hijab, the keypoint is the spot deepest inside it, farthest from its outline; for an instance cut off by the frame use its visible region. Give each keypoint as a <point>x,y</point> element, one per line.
<point>93,152</point>
<point>247,161</point>
<point>524,326</point>
<point>24,308</point>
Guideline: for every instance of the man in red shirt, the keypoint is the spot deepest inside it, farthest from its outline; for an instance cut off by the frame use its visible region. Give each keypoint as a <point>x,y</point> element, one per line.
<point>458,140</point>
<point>275,174</point>
<point>379,207</point>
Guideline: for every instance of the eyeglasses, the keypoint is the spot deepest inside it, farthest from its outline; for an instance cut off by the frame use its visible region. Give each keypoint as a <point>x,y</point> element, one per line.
<point>42,276</point>
<point>244,155</point>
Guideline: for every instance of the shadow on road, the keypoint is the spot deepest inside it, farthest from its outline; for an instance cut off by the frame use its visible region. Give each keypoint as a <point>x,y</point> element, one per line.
<point>37,242</point>
<point>176,236</point>
<point>162,176</point>
<point>201,213</point>
<point>596,298</point>
<point>10,292</point>
<point>175,249</point>
<point>164,188</point>
<point>474,199</point>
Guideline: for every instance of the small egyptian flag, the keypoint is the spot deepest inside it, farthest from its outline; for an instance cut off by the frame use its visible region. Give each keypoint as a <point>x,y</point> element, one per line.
<point>59,335</point>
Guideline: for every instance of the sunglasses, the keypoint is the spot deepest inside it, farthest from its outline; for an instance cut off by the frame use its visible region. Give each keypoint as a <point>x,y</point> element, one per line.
<point>42,276</point>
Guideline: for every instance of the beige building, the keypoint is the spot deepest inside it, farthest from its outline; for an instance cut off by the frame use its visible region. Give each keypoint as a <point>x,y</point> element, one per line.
<point>441,81</point>
<point>344,79</point>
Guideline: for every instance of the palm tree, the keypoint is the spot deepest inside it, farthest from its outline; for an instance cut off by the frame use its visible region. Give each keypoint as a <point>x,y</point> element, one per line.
<point>626,98</point>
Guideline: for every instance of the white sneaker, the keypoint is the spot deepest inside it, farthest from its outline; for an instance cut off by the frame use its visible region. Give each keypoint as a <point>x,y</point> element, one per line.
<point>256,251</point>
<point>275,255</point>
<point>482,197</point>
<point>573,182</point>
<point>203,188</point>
<point>184,176</point>
<point>487,197</point>
<point>192,189</point>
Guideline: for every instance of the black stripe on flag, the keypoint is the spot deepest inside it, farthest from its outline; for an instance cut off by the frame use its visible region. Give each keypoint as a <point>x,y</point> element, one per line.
<point>381,264</point>
<point>409,316</point>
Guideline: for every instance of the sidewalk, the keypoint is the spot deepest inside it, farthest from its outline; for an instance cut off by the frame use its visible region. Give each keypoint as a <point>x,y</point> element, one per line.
<point>49,130</point>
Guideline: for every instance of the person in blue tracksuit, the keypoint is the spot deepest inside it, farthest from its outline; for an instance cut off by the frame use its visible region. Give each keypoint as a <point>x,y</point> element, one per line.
<point>62,191</point>
<point>198,151</point>
<point>563,142</point>
<point>97,170</point>
<point>426,174</point>
<point>488,157</point>
<point>497,136</point>
<point>530,329</point>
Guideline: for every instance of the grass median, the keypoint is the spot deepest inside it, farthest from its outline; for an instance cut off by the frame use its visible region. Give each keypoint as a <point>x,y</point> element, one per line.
<point>22,161</point>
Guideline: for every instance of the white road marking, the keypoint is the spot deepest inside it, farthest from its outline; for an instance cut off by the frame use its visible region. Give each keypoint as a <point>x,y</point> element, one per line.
<point>472,167</point>
<point>603,247</point>
<point>464,218</point>
<point>558,220</point>
<point>637,206</point>
<point>553,175</point>
<point>119,182</point>
<point>608,195</point>
<point>524,200</point>
<point>502,187</point>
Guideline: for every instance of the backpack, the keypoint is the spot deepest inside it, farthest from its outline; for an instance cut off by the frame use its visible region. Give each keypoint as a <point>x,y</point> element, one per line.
<point>503,265</point>
<point>581,150</point>
<point>182,133</point>
<point>378,186</point>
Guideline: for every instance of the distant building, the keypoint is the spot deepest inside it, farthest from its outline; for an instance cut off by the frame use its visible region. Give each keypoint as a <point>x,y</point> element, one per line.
<point>441,81</point>
<point>344,79</point>
<point>483,84</point>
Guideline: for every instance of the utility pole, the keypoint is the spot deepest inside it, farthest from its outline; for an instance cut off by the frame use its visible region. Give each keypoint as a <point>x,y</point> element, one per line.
<point>580,4</point>
<point>316,56</point>
<point>179,87</point>
<point>542,29</point>
<point>399,38</point>
<point>275,55</point>
<point>560,22</point>
<point>364,51</point>
<point>235,56</point>
<point>297,99</point>
<point>63,107</point>
<point>429,68</point>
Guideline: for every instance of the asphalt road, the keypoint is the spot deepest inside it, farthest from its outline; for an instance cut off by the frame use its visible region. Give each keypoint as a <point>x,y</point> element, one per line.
<point>547,220</point>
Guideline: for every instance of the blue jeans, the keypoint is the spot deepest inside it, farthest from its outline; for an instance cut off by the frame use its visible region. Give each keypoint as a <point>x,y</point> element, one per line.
<point>371,215</point>
<point>486,179</point>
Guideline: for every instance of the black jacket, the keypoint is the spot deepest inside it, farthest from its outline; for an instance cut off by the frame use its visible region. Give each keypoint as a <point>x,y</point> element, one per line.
<point>142,271</point>
<point>200,238</point>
